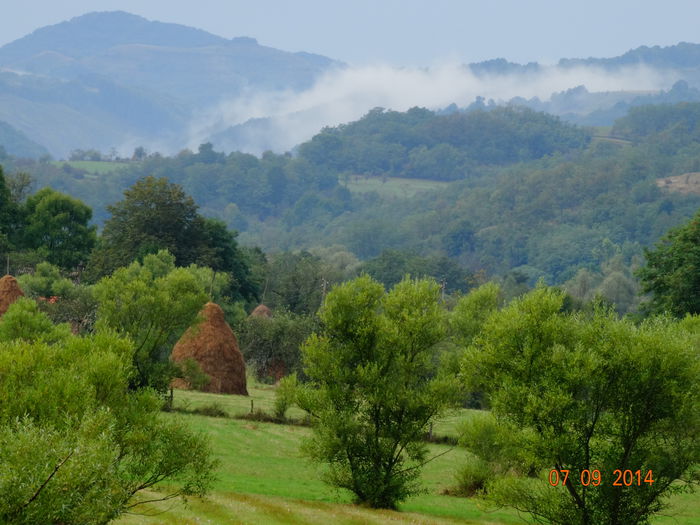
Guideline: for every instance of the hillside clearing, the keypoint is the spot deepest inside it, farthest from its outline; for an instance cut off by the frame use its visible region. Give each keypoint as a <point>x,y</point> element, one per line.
<point>687,183</point>
<point>392,186</point>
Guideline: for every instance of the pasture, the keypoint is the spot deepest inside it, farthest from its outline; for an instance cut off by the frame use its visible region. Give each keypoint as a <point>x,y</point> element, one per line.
<point>263,476</point>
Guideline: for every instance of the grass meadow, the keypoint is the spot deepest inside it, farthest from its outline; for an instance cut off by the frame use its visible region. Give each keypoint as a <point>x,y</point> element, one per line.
<point>93,166</point>
<point>264,477</point>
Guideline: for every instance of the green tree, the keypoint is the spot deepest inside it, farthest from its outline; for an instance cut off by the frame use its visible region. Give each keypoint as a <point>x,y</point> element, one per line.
<point>9,214</point>
<point>672,271</point>
<point>84,453</point>
<point>158,215</point>
<point>152,303</point>
<point>590,392</point>
<point>374,386</point>
<point>295,282</point>
<point>154,215</point>
<point>57,226</point>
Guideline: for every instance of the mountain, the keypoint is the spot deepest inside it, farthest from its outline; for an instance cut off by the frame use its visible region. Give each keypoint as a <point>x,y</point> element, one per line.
<point>113,79</point>
<point>116,80</point>
<point>186,63</point>
<point>16,143</point>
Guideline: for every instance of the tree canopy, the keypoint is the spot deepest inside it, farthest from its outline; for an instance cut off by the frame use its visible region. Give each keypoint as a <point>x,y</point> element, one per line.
<point>57,226</point>
<point>672,271</point>
<point>592,397</point>
<point>85,453</point>
<point>374,387</point>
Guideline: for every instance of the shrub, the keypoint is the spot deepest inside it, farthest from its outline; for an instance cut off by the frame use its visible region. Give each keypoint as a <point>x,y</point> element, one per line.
<point>472,477</point>
<point>285,395</point>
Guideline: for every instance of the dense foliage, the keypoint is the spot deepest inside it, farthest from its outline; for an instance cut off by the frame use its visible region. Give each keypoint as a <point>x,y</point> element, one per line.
<point>585,394</point>
<point>671,274</point>
<point>77,445</point>
<point>152,303</point>
<point>419,143</point>
<point>543,212</point>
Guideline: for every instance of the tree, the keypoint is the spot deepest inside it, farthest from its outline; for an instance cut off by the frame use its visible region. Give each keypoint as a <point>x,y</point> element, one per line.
<point>295,282</point>
<point>9,214</point>
<point>158,215</point>
<point>57,226</point>
<point>374,386</point>
<point>672,271</point>
<point>220,252</point>
<point>593,396</point>
<point>85,453</point>
<point>154,215</point>
<point>152,303</point>
<point>20,185</point>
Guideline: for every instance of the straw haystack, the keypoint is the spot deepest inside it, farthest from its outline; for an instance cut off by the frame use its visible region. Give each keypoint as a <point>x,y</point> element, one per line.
<point>261,311</point>
<point>9,292</point>
<point>213,345</point>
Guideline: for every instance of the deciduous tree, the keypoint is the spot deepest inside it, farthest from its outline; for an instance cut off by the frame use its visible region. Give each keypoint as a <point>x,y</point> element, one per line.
<point>374,387</point>
<point>612,405</point>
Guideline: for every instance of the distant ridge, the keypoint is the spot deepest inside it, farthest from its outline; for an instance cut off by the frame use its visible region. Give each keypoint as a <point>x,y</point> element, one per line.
<point>114,79</point>
<point>16,143</point>
<point>683,55</point>
<point>94,33</point>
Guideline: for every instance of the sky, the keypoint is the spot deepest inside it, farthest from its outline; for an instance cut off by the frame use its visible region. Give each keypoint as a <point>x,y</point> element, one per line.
<point>404,32</point>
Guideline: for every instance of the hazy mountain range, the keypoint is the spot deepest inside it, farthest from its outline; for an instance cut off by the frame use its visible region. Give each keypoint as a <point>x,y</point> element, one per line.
<point>116,80</point>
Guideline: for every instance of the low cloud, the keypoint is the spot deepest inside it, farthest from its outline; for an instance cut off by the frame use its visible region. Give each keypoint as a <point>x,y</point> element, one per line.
<point>285,119</point>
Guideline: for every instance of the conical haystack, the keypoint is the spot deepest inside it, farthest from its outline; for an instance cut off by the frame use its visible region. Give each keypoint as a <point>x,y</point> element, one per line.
<point>261,311</point>
<point>9,292</point>
<point>213,345</point>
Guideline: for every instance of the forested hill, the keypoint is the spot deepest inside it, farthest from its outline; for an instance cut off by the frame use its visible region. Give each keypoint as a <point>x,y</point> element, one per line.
<point>419,143</point>
<point>546,203</point>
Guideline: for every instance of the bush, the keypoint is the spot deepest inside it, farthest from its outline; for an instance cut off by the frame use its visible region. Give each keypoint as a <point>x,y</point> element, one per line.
<point>272,345</point>
<point>85,453</point>
<point>500,445</point>
<point>211,410</point>
<point>285,395</point>
<point>472,477</point>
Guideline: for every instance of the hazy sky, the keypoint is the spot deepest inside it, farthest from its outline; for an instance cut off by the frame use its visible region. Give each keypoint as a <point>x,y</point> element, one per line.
<point>404,32</point>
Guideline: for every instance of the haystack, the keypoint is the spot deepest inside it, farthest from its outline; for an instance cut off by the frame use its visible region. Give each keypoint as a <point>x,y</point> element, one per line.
<point>9,292</point>
<point>213,345</point>
<point>261,311</point>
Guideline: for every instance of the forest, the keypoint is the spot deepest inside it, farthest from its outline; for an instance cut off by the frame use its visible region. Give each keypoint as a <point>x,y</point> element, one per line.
<point>521,333</point>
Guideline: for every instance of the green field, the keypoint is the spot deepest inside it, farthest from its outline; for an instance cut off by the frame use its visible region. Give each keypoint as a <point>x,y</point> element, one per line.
<point>391,186</point>
<point>92,166</point>
<point>263,477</point>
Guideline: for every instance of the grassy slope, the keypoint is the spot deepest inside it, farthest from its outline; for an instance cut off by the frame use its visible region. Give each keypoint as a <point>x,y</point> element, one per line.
<point>92,166</point>
<point>264,478</point>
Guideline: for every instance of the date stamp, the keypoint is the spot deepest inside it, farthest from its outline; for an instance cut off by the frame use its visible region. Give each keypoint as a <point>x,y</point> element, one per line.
<point>619,478</point>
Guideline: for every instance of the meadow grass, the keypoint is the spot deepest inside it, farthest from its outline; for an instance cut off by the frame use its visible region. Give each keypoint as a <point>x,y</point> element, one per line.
<point>93,166</point>
<point>265,478</point>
